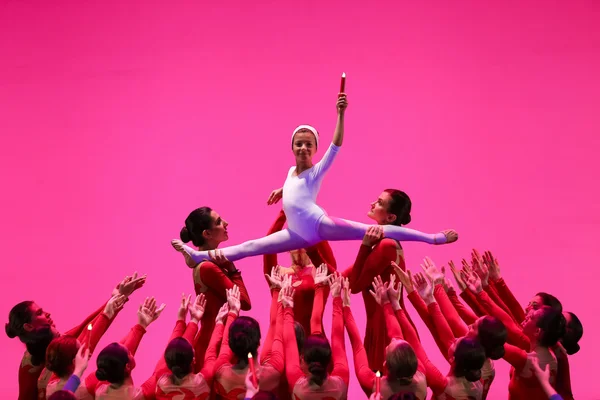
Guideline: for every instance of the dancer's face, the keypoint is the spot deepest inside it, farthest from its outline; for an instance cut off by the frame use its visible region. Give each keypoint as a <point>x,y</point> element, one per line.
<point>379,210</point>
<point>535,303</point>
<point>304,147</point>
<point>39,319</point>
<point>218,232</point>
<point>529,324</point>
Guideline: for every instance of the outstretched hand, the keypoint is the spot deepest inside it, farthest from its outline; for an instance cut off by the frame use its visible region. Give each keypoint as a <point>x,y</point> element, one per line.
<point>379,291</point>
<point>275,196</point>
<point>149,312</point>
<point>342,103</point>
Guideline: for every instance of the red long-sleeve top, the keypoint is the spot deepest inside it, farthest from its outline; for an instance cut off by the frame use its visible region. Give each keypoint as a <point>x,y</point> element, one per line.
<point>304,286</point>
<point>213,281</point>
<point>336,384</point>
<point>34,377</point>
<point>509,299</point>
<point>97,389</point>
<point>99,328</point>
<point>371,262</point>
<point>193,386</point>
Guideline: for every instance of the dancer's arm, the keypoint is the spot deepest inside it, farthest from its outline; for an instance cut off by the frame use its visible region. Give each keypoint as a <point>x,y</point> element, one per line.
<point>320,168</point>
<point>293,371</point>
<point>338,347</point>
<point>458,326</point>
<point>371,262</point>
<point>321,292</point>
<point>366,377</point>
<point>497,282</point>
<point>267,346</point>
<point>276,358</point>
<point>465,312</point>
<point>210,358</point>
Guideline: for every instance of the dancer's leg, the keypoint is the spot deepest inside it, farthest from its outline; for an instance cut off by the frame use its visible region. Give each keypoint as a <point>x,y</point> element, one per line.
<point>331,228</point>
<point>274,243</point>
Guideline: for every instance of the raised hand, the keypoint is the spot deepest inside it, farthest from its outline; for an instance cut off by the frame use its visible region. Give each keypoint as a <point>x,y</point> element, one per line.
<point>346,292</point>
<point>424,288</point>
<point>472,281</point>
<point>482,271</point>
<point>275,278</point>
<point>148,312</point>
<point>217,257</point>
<point>320,275</point>
<point>457,277</point>
<point>335,284</point>
<point>81,360</point>
<point>492,263</point>
<point>114,305</point>
<point>393,292</point>
<point>233,299</point>
<point>275,196</point>
<point>197,308</point>
<point>222,314</point>
<point>432,272</point>
<point>379,291</point>
<point>342,103</point>
<point>287,296</point>
<point>405,277</point>
<point>183,307</point>
<point>373,235</point>
<point>130,284</point>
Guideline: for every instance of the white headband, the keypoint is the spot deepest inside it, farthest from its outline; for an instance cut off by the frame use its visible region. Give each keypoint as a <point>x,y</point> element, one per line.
<point>310,128</point>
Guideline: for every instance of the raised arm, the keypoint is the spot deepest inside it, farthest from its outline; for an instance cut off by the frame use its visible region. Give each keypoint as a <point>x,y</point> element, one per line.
<point>366,377</point>
<point>502,289</point>
<point>210,358</point>
<point>293,371</point>
<point>276,358</point>
<point>321,289</point>
<point>233,300</point>
<point>338,348</point>
<point>338,134</point>
<point>220,281</point>
<point>266,347</point>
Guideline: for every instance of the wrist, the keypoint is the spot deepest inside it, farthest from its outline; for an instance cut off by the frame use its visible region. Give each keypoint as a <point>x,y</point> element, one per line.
<point>195,320</point>
<point>396,305</point>
<point>429,299</point>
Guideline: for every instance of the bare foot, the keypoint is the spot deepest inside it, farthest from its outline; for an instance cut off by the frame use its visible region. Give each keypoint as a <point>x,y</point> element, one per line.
<point>450,236</point>
<point>180,247</point>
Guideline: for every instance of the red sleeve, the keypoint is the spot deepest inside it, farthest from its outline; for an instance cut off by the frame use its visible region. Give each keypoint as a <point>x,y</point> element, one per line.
<point>133,339</point>
<point>266,347</point>
<point>225,354</point>
<point>190,332</point>
<point>316,319</point>
<point>458,327</point>
<point>213,276</point>
<point>366,377</point>
<point>293,372</point>
<point>435,380</point>
<point>563,378</point>
<point>471,301</point>
<point>276,357</point>
<point>421,308</point>
<point>393,327</point>
<point>321,253</point>
<point>491,291</point>
<point>210,358</point>
<point>270,260</point>
<point>515,356</point>
<point>99,328</point>
<point>27,382</point>
<point>338,347</point>
<point>442,328</point>
<point>509,299</point>
<point>466,314</point>
<point>76,331</point>
<point>148,388</point>
<point>515,334</point>
<point>370,263</point>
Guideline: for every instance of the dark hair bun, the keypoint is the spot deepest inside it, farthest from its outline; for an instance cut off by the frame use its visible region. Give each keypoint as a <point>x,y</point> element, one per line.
<point>101,374</point>
<point>405,219</point>
<point>571,348</point>
<point>495,353</point>
<point>184,234</point>
<point>179,372</point>
<point>10,332</point>
<point>473,375</point>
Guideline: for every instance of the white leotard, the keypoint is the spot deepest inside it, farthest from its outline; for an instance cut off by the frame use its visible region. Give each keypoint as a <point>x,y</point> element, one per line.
<point>300,197</point>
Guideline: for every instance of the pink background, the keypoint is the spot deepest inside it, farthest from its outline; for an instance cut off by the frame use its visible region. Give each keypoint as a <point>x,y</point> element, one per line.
<point>118,118</point>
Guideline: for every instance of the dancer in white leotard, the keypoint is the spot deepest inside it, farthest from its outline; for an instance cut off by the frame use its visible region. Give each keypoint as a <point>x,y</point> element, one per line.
<point>308,223</point>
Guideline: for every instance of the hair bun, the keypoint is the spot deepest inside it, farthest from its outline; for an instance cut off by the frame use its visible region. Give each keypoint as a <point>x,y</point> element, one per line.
<point>101,374</point>
<point>316,368</point>
<point>185,236</point>
<point>496,353</point>
<point>571,348</point>
<point>10,332</point>
<point>406,219</point>
<point>473,375</point>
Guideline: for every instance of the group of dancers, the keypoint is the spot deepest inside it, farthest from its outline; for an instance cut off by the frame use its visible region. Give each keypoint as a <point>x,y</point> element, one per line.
<point>218,353</point>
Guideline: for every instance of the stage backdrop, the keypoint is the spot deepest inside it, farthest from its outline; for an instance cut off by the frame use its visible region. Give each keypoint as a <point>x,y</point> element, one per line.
<point>118,118</point>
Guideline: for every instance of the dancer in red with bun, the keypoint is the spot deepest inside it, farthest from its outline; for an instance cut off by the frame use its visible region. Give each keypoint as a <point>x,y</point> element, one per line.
<point>206,229</point>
